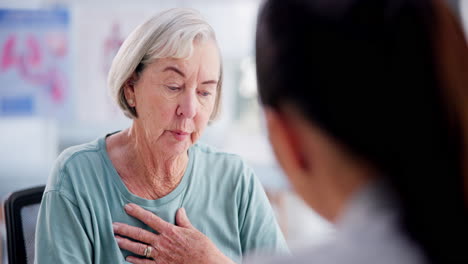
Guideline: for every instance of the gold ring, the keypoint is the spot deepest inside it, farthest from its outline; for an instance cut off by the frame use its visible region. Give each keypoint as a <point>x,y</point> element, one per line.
<point>148,251</point>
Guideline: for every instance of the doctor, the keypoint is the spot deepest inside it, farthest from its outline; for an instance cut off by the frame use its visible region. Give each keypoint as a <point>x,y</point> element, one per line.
<point>366,108</point>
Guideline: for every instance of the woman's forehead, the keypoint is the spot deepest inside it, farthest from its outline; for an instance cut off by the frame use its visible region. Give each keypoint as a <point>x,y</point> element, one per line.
<point>185,67</point>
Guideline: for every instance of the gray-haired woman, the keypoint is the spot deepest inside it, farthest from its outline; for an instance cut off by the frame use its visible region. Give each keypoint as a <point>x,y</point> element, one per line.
<point>121,197</point>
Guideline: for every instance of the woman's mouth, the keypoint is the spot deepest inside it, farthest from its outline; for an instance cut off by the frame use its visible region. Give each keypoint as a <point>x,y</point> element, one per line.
<point>179,134</point>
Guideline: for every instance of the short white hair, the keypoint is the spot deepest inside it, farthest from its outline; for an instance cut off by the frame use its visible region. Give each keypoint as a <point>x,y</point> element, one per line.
<point>169,34</point>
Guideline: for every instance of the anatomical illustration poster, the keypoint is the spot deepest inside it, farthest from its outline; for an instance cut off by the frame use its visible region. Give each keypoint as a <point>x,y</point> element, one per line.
<point>35,63</point>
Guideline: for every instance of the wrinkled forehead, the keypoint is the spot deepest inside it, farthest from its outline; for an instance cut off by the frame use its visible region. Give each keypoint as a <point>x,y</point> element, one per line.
<point>204,61</point>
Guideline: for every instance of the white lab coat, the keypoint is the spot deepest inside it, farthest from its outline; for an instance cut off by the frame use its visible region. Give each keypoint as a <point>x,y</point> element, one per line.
<point>367,233</point>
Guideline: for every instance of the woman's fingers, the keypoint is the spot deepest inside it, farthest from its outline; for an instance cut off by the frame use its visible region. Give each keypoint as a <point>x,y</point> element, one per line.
<point>135,233</point>
<point>132,246</point>
<point>175,244</point>
<point>182,219</point>
<point>147,217</point>
<point>139,249</point>
<point>136,260</point>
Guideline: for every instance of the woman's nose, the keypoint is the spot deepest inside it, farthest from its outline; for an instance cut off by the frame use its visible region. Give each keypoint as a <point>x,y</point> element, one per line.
<point>187,107</point>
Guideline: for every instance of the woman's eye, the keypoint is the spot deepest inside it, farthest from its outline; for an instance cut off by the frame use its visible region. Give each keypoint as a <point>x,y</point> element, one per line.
<point>202,93</point>
<point>173,88</point>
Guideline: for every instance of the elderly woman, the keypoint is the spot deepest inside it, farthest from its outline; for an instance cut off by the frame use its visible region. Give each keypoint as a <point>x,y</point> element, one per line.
<point>130,195</point>
<point>366,106</point>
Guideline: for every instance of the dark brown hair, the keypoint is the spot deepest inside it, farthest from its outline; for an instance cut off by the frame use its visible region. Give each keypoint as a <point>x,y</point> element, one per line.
<point>388,80</point>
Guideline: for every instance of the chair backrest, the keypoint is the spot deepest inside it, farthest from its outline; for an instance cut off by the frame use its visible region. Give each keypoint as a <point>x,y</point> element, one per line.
<point>21,210</point>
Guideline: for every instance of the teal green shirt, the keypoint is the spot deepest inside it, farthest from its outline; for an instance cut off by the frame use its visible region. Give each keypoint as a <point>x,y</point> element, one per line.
<point>85,195</point>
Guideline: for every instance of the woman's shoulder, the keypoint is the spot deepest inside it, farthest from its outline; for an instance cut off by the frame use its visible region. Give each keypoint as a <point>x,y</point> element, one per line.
<point>211,152</point>
<point>77,152</point>
<point>71,160</point>
<point>216,160</point>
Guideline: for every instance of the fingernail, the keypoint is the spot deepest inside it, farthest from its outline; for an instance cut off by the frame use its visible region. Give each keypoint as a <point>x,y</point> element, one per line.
<point>128,207</point>
<point>115,226</point>
<point>118,239</point>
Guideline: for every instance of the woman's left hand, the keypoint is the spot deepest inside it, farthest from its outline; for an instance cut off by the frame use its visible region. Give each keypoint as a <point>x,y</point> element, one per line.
<point>181,243</point>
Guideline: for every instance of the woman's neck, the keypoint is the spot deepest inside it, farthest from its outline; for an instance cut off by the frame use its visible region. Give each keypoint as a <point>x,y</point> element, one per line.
<point>147,170</point>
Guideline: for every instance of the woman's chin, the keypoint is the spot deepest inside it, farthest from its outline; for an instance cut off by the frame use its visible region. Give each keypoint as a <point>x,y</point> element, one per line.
<point>176,147</point>
<point>176,144</point>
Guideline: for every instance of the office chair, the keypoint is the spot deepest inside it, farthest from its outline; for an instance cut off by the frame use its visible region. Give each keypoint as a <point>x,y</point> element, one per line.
<point>21,210</point>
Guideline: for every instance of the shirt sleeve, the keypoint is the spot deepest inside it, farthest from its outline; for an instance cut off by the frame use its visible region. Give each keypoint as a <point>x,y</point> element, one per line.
<point>61,235</point>
<point>259,230</point>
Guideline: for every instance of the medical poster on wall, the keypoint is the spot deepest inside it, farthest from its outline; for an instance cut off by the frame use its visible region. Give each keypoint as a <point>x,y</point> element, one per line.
<point>35,63</point>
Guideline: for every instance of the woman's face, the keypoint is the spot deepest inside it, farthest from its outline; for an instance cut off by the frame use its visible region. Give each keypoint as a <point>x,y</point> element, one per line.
<point>174,98</point>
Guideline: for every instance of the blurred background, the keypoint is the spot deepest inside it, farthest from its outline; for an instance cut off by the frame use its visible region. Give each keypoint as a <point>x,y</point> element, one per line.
<point>54,59</point>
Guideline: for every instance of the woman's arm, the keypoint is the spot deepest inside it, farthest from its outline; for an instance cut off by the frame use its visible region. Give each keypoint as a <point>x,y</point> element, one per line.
<point>60,233</point>
<point>180,243</point>
<point>259,230</point>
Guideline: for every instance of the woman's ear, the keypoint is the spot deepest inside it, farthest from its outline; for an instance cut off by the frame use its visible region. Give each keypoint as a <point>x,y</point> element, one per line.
<point>129,90</point>
<point>286,143</point>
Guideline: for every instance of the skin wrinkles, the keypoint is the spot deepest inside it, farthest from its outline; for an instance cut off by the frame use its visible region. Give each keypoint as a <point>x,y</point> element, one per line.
<point>172,243</point>
<point>170,96</point>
